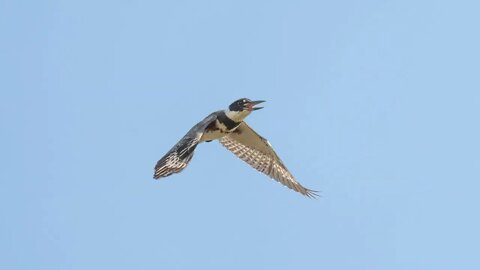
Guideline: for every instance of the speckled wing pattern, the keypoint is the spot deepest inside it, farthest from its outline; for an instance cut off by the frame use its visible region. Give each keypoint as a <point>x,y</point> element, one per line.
<point>177,158</point>
<point>255,150</point>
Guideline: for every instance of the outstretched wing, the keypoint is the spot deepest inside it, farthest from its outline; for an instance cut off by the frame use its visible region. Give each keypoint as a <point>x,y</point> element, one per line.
<point>252,148</point>
<point>177,158</point>
<point>180,155</point>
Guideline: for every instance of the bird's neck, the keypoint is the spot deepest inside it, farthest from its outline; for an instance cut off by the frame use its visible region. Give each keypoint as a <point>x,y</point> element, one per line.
<point>236,116</point>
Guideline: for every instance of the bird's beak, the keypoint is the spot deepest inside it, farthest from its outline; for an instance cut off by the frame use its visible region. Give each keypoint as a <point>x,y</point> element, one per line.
<point>251,105</point>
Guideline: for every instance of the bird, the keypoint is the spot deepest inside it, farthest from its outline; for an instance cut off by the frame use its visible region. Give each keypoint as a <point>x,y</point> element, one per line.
<point>229,128</point>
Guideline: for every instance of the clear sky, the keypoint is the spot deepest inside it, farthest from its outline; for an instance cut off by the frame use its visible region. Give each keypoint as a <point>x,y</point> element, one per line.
<point>374,103</point>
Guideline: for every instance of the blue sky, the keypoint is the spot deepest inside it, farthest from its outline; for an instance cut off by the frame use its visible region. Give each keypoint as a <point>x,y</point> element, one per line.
<point>374,103</point>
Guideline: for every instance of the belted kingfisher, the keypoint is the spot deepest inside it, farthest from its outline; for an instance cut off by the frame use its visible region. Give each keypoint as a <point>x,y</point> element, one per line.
<point>227,126</point>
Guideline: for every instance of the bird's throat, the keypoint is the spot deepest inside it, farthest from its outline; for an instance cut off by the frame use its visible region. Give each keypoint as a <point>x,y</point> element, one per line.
<point>237,116</point>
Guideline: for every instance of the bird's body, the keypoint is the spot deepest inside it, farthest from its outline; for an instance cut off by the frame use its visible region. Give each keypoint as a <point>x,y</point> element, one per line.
<point>221,126</point>
<point>228,127</point>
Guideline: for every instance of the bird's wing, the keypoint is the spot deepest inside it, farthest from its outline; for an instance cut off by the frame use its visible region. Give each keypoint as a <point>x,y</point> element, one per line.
<point>252,148</point>
<point>175,160</point>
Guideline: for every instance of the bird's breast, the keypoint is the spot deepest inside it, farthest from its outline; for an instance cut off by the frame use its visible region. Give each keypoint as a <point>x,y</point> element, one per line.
<point>215,130</point>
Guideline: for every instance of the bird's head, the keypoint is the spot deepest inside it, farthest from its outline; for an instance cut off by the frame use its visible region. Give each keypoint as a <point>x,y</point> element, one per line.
<point>245,104</point>
<point>241,108</point>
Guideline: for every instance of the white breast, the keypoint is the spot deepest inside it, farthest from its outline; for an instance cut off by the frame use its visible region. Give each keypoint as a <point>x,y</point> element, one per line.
<point>216,134</point>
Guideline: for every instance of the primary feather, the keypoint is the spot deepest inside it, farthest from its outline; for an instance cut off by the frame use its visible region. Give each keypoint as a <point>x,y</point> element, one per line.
<point>177,158</point>
<point>255,150</point>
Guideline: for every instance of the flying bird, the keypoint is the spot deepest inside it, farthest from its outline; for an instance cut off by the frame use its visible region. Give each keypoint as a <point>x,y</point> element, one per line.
<point>229,128</point>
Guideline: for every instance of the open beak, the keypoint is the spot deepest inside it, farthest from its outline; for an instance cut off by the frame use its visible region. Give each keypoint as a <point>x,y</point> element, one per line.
<point>250,105</point>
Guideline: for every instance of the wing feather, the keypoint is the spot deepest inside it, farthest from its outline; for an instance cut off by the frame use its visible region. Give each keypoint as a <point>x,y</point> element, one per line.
<point>177,159</point>
<point>255,150</point>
